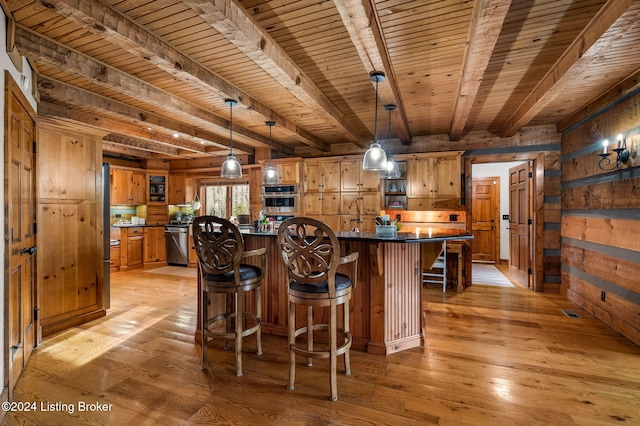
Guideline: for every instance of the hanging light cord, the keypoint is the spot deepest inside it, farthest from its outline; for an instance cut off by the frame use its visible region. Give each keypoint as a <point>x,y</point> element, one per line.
<point>230,128</point>
<point>375,124</point>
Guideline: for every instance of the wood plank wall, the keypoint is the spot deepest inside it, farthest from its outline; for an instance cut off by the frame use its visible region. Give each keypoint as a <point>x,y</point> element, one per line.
<point>601,219</point>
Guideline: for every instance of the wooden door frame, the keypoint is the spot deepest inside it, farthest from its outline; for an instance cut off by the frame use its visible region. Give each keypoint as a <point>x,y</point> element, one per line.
<point>496,253</point>
<point>537,198</point>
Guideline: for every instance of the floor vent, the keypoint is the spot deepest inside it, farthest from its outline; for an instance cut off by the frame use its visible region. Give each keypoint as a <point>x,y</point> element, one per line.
<point>570,313</point>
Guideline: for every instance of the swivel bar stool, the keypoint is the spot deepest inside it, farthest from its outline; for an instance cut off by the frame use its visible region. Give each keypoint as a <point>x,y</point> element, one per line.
<point>220,249</point>
<point>311,254</point>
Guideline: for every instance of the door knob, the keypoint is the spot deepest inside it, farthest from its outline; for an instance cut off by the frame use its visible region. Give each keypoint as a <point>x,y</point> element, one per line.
<point>30,251</point>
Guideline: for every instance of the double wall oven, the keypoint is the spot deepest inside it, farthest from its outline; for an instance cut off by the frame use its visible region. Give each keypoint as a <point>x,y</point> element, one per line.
<point>278,200</point>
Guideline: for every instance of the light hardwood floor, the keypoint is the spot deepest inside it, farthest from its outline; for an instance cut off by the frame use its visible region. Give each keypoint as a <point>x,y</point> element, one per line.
<point>494,356</point>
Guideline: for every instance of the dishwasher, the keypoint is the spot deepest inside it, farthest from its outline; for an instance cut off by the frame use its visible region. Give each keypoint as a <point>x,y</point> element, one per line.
<point>177,245</point>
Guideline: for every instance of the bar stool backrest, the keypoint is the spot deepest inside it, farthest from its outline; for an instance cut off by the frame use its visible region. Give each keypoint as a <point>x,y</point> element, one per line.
<point>218,244</point>
<point>310,250</point>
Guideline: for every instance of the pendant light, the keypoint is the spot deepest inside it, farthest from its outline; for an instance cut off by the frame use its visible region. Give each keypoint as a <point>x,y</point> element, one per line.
<point>375,158</point>
<point>392,171</point>
<point>231,168</point>
<point>271,176</point>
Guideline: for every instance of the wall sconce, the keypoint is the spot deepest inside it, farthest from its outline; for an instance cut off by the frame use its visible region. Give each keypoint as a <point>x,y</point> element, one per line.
<point>621,154</point>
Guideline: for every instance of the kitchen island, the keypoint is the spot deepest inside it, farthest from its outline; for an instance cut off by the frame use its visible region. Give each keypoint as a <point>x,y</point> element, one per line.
<point>386,306</point>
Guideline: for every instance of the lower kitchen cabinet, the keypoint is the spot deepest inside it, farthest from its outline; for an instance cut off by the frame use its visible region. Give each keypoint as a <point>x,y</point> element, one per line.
<point>114,258</point>
<point>155,245</point>
<point>131,248</point>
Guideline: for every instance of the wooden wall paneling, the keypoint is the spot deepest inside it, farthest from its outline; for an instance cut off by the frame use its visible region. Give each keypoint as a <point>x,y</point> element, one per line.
<point>604,195</point>
<point>621,233</point>
<point>70,227</point>
<point>618,313</point>
<point>618,271</point>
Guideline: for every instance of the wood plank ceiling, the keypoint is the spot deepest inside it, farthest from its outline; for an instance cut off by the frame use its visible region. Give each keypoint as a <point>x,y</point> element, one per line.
<point>154,74</point>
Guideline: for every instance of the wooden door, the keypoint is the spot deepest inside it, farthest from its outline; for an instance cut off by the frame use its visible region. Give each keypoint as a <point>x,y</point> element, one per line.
<point>519,223</point>
<point>20,222</point>
<point>484,219</point>
<point>419,179</point>
<point>312,177</point>
<point>446,177</point>
<point>350,170</point>
<point>120,186</point>
<point>331,176</point>
<point>138,185</point>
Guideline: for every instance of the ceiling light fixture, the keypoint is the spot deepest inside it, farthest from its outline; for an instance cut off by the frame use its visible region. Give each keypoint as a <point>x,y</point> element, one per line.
<point>392,171</point>
<point>375,159</point>
<point>231,168</point>
<point>271,176</point>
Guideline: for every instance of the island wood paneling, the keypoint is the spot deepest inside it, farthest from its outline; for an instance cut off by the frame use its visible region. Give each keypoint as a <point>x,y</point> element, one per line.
<point>601,219</point>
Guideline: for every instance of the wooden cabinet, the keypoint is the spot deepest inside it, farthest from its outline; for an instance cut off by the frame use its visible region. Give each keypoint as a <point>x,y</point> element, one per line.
<point>157,187</point>
<point>177,189</point>
<point>322,176</point>
<point>131,248</point>
<point>114,258</point>
<point>321,195</point>
<point>355,179</point>
<point>288,170</point>
<point>127,187</point>
<point>155,244</point>
<point>433,182</point>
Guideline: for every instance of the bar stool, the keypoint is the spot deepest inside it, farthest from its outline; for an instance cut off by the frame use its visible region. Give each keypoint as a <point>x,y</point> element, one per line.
<point>220,249</point>
<point>311,254</point>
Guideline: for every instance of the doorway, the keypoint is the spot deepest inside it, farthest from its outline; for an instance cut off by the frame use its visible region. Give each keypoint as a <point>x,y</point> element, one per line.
<point>483,169</point>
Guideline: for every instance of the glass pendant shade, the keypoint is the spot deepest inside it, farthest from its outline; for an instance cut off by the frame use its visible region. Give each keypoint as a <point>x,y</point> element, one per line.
<point>375,159</point>
<point>392,171</point>
<point>231,168</point>
<point>271,176</point>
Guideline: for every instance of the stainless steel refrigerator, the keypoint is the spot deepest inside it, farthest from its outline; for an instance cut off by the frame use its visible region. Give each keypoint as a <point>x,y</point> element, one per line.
<point>106,237</point>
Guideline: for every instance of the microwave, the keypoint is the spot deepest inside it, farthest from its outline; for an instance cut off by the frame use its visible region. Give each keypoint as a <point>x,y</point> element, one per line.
<point>280,199</point>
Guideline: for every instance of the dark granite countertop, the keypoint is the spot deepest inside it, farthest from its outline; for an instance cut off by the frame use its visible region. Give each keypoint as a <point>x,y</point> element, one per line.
<point>436,234</point>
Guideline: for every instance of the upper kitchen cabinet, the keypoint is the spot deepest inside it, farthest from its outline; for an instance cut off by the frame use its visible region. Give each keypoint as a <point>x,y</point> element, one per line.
<point>356,179</point>
<point>288,170</point>
<point>127,187</point>
<point>177,188</point>
<point>157,187</point>
<point>433,182</point>
<point>321,176</point>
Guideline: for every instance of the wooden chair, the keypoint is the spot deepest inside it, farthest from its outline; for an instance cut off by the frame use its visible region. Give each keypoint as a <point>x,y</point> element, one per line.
<point>311,254</point>
<point>220,249</point>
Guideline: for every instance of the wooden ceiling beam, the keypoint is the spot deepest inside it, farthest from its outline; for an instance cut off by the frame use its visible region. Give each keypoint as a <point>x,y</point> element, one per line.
<point>142,124</point>
<point>141,144</point>
<point>100,19</point>
<point>240,29</point>
<point>361,21</point>
<point>115,148</point>
<point>486,25</point>
<point>605,28</point>
<point>38,48</point>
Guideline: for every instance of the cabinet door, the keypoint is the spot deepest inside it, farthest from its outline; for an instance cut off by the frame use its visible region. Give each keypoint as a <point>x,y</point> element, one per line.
<point>255,186</point>
<point>312,204</point>
<point>157,188</point>
<point>350,171</point>
<point>420,203</point>
<point>312,177</point>
<point>155,246</point>
<point>446,177</point>
<point>370,203</point>
<point>289,173</point>
<point>350,204</point>
<point>138,183</point>
<point>419,178</point>
<point>120,187</point>
<point>330,203</point>
<point>114,257</point>
<point>331,176</point>
<point>135,250</point>
<point>177,184</point>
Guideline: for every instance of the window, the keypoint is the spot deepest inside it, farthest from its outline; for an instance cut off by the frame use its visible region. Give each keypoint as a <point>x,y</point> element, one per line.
<point>224,200</point>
